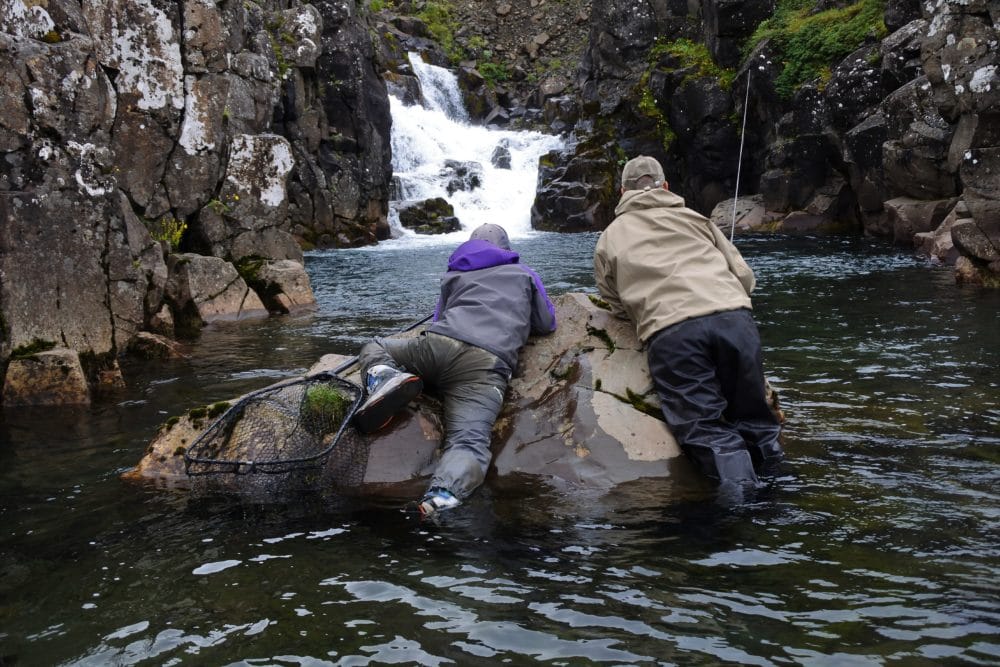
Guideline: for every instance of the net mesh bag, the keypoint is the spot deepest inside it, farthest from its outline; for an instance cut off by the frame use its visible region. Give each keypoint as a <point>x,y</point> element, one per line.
<point>283,428</point>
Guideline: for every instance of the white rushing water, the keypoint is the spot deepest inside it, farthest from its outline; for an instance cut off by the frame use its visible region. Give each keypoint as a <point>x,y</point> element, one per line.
<point>424,137</point>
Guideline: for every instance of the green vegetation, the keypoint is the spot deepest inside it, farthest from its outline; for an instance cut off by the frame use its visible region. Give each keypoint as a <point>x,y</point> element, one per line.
<point>477,43</point>
<point>217,409</point>
<point>167,229</point>
<point>34,347</point>
<point>379,5</point>
<point>324,403</point>
<point>603,336</point>
<point>649,108</point>
<point>275,36</point>
<point>494,73</point>
<point>599,302</point>
<point>694,55</point>
<point>639,402</point>
<point>442,24</point>
<point>808,43</point>
<point>218,207</point>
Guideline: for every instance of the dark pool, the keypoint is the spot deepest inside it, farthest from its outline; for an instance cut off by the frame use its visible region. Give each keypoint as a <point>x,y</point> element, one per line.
<point>879,545</point>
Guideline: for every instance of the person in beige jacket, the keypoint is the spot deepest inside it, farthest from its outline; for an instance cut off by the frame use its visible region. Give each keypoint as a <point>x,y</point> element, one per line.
<point>686,289</point>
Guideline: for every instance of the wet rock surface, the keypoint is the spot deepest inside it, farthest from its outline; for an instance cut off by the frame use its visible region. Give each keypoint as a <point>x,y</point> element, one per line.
<point>581,410</point>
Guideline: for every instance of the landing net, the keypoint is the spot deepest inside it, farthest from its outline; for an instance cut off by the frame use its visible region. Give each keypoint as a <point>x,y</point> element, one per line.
<point>282,428</point>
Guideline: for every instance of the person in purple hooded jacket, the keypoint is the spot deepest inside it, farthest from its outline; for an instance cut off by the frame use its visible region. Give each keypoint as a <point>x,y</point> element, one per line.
<point>489,305</point>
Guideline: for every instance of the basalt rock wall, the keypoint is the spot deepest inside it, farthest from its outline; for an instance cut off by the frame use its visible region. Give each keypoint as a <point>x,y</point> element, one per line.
<point>130,130</point>
<point>896,139</point>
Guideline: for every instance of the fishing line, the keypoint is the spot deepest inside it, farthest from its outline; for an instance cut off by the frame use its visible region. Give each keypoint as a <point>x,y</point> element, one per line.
<point>739,163</point>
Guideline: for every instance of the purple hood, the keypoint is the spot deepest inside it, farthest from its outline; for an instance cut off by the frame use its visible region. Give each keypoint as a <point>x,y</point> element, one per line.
<point>475,254</point>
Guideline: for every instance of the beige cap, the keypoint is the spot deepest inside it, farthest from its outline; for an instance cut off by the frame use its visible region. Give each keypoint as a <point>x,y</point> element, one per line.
<point>641,166</point>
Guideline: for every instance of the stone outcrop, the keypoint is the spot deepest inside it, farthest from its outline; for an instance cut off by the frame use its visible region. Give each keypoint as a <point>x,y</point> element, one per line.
<point>428,216</point>
<point>203,290</point>
<point>581,410</point>
<point>134,129</point>
<point>912,113</point>
<point>52,377</point>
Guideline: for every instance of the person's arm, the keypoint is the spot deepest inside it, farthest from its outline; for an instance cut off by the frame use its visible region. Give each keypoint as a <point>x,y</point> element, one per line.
<point>543,312</point>
<point>604,276</point>
<point>737,265</point>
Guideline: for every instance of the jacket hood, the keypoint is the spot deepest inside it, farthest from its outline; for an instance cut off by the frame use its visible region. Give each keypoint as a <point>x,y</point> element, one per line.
<point>635,200</point>
<point>476,254</point>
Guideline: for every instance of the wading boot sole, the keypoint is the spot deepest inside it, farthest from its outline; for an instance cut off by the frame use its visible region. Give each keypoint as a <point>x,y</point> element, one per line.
<point>376,412</point>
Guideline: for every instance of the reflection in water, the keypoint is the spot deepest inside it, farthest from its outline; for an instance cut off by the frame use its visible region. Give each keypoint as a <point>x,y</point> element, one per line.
<point>877,545</point>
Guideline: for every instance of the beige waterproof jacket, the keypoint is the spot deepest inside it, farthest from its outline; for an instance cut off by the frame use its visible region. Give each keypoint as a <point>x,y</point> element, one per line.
<point>659,263</point>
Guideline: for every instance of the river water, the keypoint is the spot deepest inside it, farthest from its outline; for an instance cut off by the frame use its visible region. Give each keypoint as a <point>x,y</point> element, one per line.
<point>879,544</point>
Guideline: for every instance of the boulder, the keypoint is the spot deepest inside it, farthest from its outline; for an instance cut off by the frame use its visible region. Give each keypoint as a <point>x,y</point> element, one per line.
<point>938,244</point>
<point>728,23</point>
<point>915,154</point>
<point>299,32</point>
<point>461,175</point>
<point>580,409</point>
<point>576,191</point>
<point>148,345</point>
<point>959,58</point>
<point>202,290</point>
<point>972,242</point>
<point>908,217</point>
<point>428,216</point>
<point>501,155</point>
<point>971,272</point>
<point>751,216</point>
<point>283,286</point>
<point>900,55</point>
<point>52,377</point>
<point>252,201</point>
<point>855,90</point>
<point>863,158</point>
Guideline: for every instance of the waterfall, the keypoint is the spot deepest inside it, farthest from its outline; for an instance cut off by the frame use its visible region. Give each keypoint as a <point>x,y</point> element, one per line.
<point>425,137</point>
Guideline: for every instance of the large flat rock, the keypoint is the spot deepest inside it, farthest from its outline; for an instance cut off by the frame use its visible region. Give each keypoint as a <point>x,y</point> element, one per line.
<point>580,411</point>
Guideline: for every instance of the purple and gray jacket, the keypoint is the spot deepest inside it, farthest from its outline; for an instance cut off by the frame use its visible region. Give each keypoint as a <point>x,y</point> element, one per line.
<point>491,301</point>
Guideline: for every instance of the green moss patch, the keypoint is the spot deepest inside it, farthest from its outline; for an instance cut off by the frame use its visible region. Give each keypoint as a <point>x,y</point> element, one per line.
<point>34,347</point>
<point>695,56</point>
<point>603,336</point>
<point>324,402</point>
<point>442,24</point>
<point>810,43</point>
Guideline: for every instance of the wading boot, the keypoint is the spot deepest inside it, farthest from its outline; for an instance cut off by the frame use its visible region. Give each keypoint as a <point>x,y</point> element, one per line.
<point>389,390</point>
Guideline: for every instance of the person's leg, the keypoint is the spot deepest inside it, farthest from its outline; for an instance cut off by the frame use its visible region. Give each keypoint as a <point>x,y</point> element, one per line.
<point>682,366</point>
<point>374,353</point>
<point>473,387</point>
<point>741,375</point>
<point>389,384</point>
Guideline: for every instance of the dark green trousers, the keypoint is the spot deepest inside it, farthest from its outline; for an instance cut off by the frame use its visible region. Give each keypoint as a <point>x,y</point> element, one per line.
<point>470,381</point>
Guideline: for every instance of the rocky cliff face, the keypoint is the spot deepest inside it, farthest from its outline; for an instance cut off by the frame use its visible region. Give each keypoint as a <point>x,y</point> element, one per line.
<point>146,141</point>
<point>237,131</point>
<point>896,138</point>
